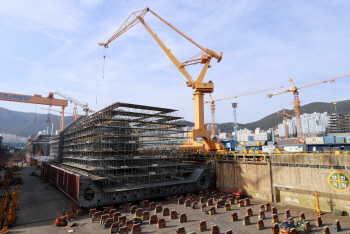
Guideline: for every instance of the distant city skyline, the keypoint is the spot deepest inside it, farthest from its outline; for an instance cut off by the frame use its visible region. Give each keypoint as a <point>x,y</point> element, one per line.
<point>315,123</point>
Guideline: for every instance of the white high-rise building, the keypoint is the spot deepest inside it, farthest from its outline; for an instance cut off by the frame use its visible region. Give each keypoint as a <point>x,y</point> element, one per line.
<point>314,123</point>
<point>243,134</point>
<point>261,135</point>
<point>249,135</point>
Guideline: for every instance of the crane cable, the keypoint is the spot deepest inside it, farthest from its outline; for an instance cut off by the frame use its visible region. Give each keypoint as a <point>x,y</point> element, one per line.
<point>98,55</point>
<point>36,107</point>
<point>104,62</point>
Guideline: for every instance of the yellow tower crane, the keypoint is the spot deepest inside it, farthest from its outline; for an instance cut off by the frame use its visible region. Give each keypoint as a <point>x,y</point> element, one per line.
<point>294,89</point>
<point>203,57</point>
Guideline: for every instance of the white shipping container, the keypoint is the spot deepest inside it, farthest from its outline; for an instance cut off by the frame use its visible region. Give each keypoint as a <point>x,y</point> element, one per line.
<point>268,149</point>
<point>294,149</point>
<point>314,140</point>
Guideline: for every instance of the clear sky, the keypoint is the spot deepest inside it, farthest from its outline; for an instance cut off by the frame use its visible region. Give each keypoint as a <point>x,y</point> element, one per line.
<point>53,45</point>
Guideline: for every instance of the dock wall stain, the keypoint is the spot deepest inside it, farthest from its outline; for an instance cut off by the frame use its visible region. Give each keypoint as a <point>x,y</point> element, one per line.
<point>289,179</point>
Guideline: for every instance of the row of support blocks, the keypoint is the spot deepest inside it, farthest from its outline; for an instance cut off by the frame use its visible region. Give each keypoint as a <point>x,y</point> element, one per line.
<point>110,216</point>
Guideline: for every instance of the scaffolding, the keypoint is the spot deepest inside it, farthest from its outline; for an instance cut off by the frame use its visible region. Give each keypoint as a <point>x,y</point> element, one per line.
<point>127,145</point>
<point>54,146</point>
<point>339,123</point>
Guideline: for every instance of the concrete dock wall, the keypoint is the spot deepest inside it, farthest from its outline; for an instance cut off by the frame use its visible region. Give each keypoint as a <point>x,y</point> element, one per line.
<point>253,178</point>
<point>291,179</point>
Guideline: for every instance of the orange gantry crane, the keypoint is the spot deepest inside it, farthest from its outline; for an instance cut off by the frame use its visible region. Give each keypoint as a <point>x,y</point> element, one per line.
<point>212,104</point>
<point>204,57</point>
<point>36,99</point>
<point>294,89</point>
<point>285,121</point>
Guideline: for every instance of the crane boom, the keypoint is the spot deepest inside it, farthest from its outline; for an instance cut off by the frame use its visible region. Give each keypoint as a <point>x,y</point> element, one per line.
<point>128,23</point>
<point>293,86</point>
<point>209,52</point>
<point>245,94</point>
<point>137,17</point>
<point>294,89</point>
<point>203,57</point>
<point>35,99</point>
<point>212,104</point>
<point>84,106</point>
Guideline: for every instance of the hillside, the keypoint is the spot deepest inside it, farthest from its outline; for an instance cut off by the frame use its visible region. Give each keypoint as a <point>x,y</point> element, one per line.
<point>13,121</point>
<point>273,119</point>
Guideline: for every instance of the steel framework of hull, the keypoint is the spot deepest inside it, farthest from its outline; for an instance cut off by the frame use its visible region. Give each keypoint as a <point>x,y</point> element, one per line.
<point>123,153</point>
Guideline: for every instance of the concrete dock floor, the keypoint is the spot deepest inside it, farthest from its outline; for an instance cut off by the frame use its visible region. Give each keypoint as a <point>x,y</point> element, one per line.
<point>39,207</point>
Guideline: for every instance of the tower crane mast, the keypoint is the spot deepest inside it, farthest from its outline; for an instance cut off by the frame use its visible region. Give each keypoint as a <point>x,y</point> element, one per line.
<point>294,89</point>
<point>285,121</point>
<point>203,57</point>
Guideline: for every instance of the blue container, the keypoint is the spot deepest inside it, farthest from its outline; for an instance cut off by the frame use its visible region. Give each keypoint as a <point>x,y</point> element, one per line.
<point>347,139</point>
<point>340,140</point>
<point>329,140</point>
<point>250,138</point>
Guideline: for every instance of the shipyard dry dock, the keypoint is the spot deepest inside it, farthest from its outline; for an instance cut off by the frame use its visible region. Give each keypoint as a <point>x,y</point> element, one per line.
<point>128,153</point>
<point>122,153</point>
<point>39,207</point>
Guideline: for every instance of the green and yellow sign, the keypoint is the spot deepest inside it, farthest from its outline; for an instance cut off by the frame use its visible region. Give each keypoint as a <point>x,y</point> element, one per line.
<point>339,181</point>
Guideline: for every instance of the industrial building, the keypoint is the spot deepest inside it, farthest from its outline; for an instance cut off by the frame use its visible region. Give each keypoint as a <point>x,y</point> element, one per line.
<point>339,123</point>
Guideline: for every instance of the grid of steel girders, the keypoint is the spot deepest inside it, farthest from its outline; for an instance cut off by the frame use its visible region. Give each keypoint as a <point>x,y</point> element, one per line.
<point>126,144</point>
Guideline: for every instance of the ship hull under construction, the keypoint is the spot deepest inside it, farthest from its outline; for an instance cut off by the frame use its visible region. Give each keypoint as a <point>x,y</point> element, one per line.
<point>124,153</point>
<point>86,193</point>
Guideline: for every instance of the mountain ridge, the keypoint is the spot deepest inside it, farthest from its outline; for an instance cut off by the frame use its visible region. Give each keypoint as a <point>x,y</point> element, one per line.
<point>23,122</point>
<point>274,119</point>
